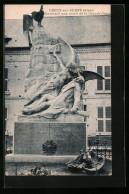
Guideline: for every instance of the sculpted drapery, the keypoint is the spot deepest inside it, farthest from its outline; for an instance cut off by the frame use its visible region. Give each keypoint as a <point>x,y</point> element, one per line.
<point>61,94</point>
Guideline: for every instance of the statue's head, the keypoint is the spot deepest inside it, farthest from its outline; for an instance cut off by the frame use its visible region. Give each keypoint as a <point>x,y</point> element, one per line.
<point>71,64</point>
<point>72,67</point>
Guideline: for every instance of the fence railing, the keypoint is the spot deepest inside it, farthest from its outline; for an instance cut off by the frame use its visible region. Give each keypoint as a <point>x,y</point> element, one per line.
<point>100,147</point>
<point>8,145</point>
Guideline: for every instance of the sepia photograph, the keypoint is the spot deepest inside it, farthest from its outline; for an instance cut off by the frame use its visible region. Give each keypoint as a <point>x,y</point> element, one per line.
<point>57,86</point>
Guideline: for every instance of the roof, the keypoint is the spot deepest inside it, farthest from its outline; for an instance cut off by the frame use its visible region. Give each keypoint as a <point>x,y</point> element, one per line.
<point>74,30</point>
<point>14,30</point>
<point>80,30</point>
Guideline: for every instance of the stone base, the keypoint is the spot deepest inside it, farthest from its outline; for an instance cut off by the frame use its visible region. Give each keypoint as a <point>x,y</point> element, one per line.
<point>29,158</point>
<point>63,118</point>
<point>17,158</point>
<point>69,138</point>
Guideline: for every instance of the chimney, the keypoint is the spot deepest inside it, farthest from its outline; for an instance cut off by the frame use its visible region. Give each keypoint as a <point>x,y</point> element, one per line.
<point>27,23</point>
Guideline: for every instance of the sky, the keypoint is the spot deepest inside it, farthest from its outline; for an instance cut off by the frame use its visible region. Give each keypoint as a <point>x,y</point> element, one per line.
<point>16,11</point>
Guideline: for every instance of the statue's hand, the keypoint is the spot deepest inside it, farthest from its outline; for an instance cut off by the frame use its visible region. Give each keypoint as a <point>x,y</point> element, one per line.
<point>66,110</point>
<point>79,79</point>
<point>73,110</point>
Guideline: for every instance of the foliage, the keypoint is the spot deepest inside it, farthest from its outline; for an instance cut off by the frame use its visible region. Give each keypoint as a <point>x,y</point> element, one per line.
<point>37,171</point>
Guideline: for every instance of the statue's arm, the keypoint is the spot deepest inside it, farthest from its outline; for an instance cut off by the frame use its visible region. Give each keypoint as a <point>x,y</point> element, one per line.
<point>59,61</point>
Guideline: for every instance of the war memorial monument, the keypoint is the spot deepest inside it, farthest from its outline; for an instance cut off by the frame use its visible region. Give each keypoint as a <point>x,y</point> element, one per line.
<point>51,126</point>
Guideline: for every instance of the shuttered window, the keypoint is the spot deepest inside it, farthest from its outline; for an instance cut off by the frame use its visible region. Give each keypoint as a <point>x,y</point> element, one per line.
<point>99,70</point>
<point>107,78</point>
<point>108,112</point>
<point>5,73</point>
<point>100,125</point>
<point>104,119</point>
<point>108,125</point>
<point>85,107</point>
<point>5,113</point>
<point>5,79</point>
<point>106,83</point>
<point>99,85</point>
<point>99,82</point>
<point>5,118</point>
<point>107,71</point>
<point>5,124</point>
<point>100,112</point>
<point>84,85</point>
<point>5,85</point>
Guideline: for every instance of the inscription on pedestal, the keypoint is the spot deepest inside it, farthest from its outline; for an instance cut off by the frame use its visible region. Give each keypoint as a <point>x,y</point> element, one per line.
<point>70,138</point>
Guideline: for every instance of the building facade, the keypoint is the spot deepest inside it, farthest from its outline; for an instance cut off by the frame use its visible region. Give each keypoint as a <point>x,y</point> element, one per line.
<point>90,37</point>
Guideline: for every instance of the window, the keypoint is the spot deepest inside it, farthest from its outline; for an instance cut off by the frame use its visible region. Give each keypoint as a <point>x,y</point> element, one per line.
<point>5,79</point>
<point>85,109</point>
<point>104,119</point>
<point>83,69</point>
<point>105,71</point>
<point>5,118</point>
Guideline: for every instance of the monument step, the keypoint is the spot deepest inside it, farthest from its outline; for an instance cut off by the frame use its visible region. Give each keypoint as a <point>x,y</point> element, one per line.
<point>53,159</point>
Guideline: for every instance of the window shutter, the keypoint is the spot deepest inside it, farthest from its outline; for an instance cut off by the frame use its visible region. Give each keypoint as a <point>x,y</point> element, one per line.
<point>108,112</point>
<point>5,116</point>
<point>107,84</point>
<point>108,125</point>
<point>5,123</point>
<point>84,107</point>
<point>99,70</point>
<point>5,78</point>
<point>99,85</point>
<point>99,82</point>
<point>100,125</point>
<point>83,69</point>
<point>107,71</point>
<point>100,112</point>
<point>6,73</point>
<point>5,85</point>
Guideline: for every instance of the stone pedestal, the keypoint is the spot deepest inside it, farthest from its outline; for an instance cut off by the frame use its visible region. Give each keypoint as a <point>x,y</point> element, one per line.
<point>62,118</point>
<point>68,131</point>
<point>69,138</point>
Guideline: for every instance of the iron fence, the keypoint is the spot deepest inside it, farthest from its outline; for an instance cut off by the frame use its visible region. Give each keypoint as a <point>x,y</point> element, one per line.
<point>100,147</point>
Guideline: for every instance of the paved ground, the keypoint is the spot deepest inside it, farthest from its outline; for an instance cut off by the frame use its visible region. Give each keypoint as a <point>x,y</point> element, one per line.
<point>54,169</point>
